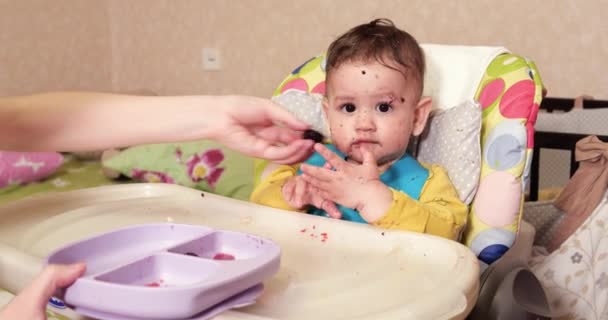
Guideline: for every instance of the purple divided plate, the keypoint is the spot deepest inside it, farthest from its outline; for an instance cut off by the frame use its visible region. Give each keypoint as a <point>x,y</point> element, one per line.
<point>167,271</point>
<point>242,299</point>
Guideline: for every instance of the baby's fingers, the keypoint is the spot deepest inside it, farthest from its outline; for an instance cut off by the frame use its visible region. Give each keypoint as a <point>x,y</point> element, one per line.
<point>288,190</point>
<point>320,199</point>
<point>317,183</point>
<point>320,173</point>
<point>368,157</point>
<point>331,209</point>
<point>332,158</point>
<point>300,192</point>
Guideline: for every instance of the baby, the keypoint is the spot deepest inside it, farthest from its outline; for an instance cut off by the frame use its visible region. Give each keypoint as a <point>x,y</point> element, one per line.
<point>373,105</point>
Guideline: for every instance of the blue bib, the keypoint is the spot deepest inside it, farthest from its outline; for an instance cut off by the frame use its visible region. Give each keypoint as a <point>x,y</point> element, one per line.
<point>405,175</point>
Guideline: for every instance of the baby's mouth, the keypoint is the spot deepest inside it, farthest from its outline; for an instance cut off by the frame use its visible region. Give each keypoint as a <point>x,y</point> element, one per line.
<point>359,145</point>
<point>364,142</point>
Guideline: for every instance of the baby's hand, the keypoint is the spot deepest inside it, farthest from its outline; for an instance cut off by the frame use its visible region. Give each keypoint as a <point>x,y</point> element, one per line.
<point>295,193</point>
<point>298,194</point>
<point>349,184</point>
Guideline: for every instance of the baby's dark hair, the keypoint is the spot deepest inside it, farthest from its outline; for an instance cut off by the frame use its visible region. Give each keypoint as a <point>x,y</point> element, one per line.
<point>379,40</point>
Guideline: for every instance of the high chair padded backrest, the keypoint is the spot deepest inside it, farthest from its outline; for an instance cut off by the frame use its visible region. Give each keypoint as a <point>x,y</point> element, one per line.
<point>508,88</point>
<point>510,94</point>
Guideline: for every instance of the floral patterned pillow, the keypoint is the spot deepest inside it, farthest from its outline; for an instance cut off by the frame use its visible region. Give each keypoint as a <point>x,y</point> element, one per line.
<point>575,276</point>
<point>203,165</point>
<point>24,167</point>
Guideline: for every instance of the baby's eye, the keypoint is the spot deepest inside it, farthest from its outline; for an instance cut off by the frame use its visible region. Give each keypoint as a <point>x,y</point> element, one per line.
<point>348,107</point>
<point>384,107</point>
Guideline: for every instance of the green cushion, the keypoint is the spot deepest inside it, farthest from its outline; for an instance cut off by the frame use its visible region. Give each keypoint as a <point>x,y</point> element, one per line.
<point>72,175</point>
<point>202,165</point>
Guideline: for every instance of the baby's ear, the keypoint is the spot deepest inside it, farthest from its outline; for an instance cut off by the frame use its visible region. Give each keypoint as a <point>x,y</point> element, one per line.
<point>421,115</point>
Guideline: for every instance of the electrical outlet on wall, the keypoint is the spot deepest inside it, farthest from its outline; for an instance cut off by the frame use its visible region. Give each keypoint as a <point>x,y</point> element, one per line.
<point>211,59</point>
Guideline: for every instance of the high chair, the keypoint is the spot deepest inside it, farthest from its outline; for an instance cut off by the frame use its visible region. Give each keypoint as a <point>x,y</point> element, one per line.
<point>508,90</point>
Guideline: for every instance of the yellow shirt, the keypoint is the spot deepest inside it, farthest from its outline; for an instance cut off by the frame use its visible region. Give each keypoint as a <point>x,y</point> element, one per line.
<point>439,210</point>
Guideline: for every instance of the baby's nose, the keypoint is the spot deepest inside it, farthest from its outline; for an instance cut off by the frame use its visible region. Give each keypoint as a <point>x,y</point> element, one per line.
<point>365,121</point>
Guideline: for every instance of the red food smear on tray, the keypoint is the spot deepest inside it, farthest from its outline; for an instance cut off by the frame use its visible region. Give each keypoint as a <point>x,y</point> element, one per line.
<point>154,284</point>
<point>223,256</point>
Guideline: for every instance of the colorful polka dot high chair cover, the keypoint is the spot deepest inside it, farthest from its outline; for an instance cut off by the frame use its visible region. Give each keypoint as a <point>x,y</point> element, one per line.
<point>509,93</point>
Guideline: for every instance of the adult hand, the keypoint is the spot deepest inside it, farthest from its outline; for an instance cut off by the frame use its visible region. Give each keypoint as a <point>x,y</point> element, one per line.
<point>262,129</point>
<point>31,303</point>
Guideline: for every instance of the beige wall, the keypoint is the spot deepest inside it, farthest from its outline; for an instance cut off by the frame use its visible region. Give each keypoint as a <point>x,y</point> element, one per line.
<point>53,45</point>
<point>156,44</point>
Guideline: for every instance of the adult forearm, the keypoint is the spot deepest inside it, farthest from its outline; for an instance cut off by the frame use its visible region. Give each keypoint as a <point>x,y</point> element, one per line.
<point>72,121</point>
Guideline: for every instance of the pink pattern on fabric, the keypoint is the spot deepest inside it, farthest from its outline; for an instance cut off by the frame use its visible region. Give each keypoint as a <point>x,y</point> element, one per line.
<point>298,84</point>
<point>213,157</point>
<point>498,211</point>
<point>518,100</point>
<point>319,88</point>
<point>214,176</point>
<point>151,176</point>
<point>491,92</point>
<point>205,166</point>
<point>530,125</point>
<point>25,167</point>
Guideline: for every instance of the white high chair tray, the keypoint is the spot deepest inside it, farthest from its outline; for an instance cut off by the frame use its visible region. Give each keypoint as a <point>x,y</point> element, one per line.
<point>330,269</point>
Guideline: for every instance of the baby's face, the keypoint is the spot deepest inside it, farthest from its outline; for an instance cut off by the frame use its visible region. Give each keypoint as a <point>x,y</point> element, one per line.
<point>370,105</point>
